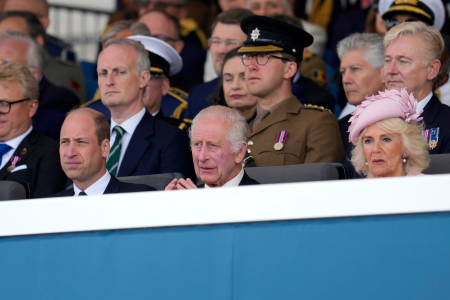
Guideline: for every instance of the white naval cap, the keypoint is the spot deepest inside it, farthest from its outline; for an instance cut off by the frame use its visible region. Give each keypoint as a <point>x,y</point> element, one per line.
<point>163,58</point>
<point>431,11</point>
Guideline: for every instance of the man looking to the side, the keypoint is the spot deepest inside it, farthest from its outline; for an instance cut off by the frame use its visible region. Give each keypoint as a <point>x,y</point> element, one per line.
<point>83,150</point>
<point>219,143</point>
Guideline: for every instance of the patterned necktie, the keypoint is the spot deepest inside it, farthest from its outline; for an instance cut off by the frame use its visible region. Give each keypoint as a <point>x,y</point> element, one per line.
<point>113,159</point>
<point>4,148</point>
<point>82,193</point>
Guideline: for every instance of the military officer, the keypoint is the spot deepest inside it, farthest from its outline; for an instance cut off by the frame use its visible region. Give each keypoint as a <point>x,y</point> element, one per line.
<point>283,132</point>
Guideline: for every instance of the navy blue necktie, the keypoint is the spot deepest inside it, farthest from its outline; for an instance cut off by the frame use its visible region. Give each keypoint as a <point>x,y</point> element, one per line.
<point>4,148</point>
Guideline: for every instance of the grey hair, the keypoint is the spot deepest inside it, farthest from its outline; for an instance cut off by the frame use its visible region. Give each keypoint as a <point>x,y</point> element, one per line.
<point>413,144</point>
<point>371,42</point>
<point>287,5</point>
<point>142,62</point>
<point>236,124</point>
<point>35,57</point>
<point>134,28</point>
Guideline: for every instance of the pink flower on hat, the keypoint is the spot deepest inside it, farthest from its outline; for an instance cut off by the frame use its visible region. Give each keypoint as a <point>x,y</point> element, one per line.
<point>387,104</point>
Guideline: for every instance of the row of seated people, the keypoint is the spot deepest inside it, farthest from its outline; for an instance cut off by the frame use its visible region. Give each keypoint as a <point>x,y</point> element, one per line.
<point>281,132</point>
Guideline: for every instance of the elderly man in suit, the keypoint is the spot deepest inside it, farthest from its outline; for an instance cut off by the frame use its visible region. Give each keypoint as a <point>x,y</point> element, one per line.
<point>83,149</point>
<point>141,143</point>
<point>411,60</point>
<point>218,141</point>
<point>25,154</point>
<point>283,131</point>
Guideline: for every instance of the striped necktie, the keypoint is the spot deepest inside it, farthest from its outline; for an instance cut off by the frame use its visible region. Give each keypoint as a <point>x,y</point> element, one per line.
<point>113,159</point>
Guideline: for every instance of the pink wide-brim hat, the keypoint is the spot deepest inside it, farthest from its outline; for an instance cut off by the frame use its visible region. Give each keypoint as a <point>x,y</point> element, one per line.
<point>385,105</point>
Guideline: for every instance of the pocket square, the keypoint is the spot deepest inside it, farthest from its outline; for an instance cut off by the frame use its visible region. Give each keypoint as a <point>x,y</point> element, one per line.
<point>18,168</point>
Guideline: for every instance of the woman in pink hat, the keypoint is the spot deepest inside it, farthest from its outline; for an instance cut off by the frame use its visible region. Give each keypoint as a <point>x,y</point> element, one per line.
<point>387,135</point>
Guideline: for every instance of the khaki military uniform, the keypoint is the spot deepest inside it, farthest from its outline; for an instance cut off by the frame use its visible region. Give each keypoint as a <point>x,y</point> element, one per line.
<point>313,136</point>
<point>314,68</point>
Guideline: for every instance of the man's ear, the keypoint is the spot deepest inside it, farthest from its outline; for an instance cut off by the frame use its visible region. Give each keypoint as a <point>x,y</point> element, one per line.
<point>105,148</point>
<point>290,69</point>
<point>179,45</point>
<point>433,69</point>
<point>36,73</point>
<point>144,77</point>
<point>40,40</point>
<point>33,107</point>
<point>240,154</point>
<point>165,86</point>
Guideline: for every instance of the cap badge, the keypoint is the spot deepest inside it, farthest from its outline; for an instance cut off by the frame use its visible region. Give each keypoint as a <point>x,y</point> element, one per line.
<point>255,34</point>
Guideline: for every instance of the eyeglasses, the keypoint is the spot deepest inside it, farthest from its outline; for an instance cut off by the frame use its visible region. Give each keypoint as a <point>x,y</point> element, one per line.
<point>216,42</point>
<point>154,78</point>
<point>161,5</point>
<point>164,38</point>
<point>394,22</point>
<point>5,106</point>
<point>261,58</point>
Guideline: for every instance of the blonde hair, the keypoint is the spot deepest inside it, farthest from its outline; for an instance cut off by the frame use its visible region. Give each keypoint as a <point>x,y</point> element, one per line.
<point>413,144</point>
<point>432,44</point>
<point>16,71</point>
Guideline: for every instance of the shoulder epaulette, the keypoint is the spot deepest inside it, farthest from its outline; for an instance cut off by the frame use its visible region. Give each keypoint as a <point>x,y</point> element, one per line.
<point>320,108</point>
<point>189,25</point>
<point>184,124</point>
<point>178,94</point>
<point>86,104</point>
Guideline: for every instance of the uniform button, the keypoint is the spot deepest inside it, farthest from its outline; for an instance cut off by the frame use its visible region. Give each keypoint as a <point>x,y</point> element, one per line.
<point>250,143</point>
<point>249,151</point>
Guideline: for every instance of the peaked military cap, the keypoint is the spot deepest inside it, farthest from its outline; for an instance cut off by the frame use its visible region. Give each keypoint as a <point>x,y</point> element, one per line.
<point>431,12</point>
<point>163,58</point>
<point>268,35</point>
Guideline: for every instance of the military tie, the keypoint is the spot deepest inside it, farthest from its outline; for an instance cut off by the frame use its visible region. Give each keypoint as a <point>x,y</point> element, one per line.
<point>113,160</point>
<point>4,148</point>
<point>82,193</point>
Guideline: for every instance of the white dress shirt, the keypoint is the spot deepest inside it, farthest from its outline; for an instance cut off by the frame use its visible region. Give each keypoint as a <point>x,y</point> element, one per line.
<point>422,103</point>
<point>129,126</point>
<point>14,143</point>
<point>348,109</point>
<point>156,112</point>
<point>97,188</point>
<point>233,182</point>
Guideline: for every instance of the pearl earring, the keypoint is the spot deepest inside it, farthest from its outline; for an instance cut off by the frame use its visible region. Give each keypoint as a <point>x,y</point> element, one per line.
<point>367,163</point>
<point>404,157</point>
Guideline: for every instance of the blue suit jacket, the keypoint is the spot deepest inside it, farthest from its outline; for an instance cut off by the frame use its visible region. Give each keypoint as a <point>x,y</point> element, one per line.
<point>114,186</point>
<point>157,147</point>
<point>435,114</point>
<point>56,98</point>
<point>202,96</point>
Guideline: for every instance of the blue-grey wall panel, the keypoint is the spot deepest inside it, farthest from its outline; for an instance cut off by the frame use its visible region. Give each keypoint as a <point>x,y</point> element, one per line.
<point>376,257</point>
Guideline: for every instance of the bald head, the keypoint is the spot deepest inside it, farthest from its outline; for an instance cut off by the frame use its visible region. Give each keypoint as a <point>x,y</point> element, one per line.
<point>38,7</point>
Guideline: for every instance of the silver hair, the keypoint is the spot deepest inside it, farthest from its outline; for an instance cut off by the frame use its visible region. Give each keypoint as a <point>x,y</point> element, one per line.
<point>142,62</point>
<point>134,28</point>
<point>371,42</point>
<point>236,124</point>
<point>35,56</point>
<point>287,5</point>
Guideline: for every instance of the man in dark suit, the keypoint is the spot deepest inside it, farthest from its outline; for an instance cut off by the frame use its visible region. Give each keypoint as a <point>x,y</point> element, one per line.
<point>54,101</point>
<point>83,150</point>
<point>25,154</point>
<point>219,144</point>
<point>411,64</point>
<point>141,143</point>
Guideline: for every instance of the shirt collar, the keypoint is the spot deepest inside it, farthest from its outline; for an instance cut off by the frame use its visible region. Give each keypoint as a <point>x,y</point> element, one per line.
<point>130,124</point>
<point>97,188</point>
<point>156,112</point>
<point>233,182</point>
<point>15,142</point>
<point>421,104</point>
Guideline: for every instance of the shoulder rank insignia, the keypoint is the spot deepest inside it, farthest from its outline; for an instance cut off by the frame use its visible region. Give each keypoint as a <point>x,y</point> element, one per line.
<point>321,108</point>
<point>431,136</point>
<point>182,96</point>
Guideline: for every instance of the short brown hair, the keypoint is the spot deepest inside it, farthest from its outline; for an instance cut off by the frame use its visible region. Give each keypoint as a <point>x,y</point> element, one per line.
<point>16,71</point>
<point>233,16</point>
<point>101,123</point>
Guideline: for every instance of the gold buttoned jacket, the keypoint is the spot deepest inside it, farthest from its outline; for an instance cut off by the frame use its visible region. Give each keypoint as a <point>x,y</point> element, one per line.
<point>313,136</point>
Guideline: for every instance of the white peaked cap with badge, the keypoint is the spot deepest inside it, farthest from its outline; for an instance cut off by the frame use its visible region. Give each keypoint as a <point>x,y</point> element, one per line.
<point>163,51</point>
<point>432,10</point>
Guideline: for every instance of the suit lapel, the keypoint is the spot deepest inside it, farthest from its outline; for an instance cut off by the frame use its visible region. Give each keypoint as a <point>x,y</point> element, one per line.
<point>138,145</point>
<point>245,180</point>
<point>290,105</point>
<point>430,111</point>
<point>27,146</point>
<point>113,186</point>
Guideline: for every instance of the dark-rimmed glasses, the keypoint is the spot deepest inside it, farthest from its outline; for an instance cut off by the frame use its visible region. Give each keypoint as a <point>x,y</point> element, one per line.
<point>164,38</point>
<point>5,106</point>
<point>394,22</point>
<point>261,58</point>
